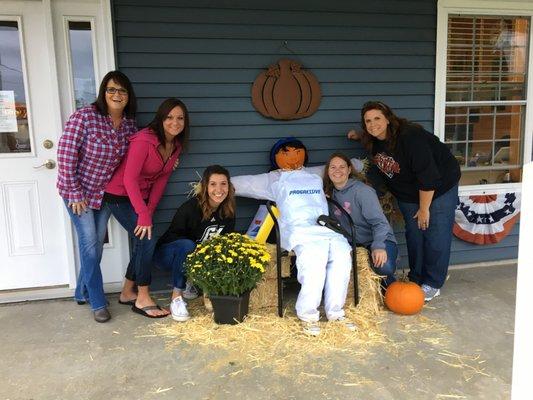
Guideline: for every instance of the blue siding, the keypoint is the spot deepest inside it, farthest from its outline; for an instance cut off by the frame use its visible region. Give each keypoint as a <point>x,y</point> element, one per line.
<point>208,53</point>
<point>466,253</point>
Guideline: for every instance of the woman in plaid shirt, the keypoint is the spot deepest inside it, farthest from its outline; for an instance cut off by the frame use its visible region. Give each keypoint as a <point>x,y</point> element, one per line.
<point>92,146</point>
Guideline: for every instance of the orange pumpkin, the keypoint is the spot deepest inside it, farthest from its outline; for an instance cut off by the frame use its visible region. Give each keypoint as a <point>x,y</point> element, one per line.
<point>404,298</point>
<point>286,91</point>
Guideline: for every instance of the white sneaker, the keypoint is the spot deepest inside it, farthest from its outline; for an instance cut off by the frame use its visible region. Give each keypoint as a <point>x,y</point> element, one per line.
<point>311,328</point>
<point>430,292</point>
<point>190,292</point>
<point>178,309</point>
<point>351,326</point>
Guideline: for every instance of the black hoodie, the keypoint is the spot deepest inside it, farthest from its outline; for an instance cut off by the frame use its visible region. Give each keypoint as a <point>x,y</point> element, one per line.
<point>420,161</point>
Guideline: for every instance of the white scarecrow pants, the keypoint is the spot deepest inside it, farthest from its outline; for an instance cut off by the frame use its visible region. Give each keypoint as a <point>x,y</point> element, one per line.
<point>323,265</point>
<point>323,256</point>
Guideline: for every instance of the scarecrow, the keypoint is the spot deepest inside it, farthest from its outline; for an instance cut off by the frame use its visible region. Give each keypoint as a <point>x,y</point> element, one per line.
<point>323,257</point>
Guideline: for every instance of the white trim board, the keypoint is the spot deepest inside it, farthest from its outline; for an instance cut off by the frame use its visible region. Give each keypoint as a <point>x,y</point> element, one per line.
<point>473,190</point>
<point>501,7</point>
<point>483,264</point>
<point>50,293</point>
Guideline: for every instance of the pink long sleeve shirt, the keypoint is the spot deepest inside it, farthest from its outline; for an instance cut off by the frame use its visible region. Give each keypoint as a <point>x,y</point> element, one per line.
<point>143,175</point>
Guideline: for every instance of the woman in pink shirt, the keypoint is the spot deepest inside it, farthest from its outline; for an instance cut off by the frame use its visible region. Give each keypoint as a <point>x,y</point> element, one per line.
<point>134,191</point>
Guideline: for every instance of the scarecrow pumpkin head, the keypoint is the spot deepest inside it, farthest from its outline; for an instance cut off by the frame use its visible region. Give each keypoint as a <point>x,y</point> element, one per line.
<point>288,153</point>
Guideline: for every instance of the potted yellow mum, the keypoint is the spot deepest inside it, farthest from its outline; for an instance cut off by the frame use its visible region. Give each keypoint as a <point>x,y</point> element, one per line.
<point>228,267</point>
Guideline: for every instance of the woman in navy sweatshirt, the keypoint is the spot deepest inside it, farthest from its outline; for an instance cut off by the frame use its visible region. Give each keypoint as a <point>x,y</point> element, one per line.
<point>423,175</point>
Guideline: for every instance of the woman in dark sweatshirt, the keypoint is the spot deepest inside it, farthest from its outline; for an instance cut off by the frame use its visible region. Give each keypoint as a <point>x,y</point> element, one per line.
<point>423,175</point>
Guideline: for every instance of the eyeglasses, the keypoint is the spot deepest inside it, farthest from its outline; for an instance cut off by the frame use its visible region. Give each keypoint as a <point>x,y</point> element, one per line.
<point>113,90</point>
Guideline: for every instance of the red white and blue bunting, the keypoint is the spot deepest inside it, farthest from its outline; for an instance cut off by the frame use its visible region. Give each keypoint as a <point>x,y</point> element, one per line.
<point>486,219</point>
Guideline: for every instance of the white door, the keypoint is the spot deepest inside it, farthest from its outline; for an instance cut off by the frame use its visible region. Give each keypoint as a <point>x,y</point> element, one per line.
<point>33,249</point>
<point>44,76</point>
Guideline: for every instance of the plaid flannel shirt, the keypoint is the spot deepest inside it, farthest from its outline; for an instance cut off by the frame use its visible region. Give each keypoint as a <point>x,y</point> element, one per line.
<point>88,153</point>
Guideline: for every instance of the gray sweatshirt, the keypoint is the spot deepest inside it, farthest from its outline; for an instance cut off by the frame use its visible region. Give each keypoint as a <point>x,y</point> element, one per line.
<point>361,202</point>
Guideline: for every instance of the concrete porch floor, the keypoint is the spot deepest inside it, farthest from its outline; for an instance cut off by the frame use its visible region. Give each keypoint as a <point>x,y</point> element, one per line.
<point>54,350</point>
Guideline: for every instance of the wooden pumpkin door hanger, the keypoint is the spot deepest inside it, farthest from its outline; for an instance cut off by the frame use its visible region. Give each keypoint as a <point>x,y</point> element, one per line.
<point>286,91</point>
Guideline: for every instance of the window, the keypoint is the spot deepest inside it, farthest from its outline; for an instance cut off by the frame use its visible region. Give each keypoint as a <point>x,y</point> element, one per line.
<point>485,103</point>
<point>14,127</point>
<point>82,63</point>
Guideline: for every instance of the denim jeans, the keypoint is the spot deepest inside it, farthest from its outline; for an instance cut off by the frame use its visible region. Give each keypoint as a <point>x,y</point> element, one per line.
<point>140,265</point>
<point>171,256</point>
<point>429,250</point>
<point>90,228</point>
<point>389,268</point>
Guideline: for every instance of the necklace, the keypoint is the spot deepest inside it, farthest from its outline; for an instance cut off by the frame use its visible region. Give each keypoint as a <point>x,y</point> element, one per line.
<point>166,150</point>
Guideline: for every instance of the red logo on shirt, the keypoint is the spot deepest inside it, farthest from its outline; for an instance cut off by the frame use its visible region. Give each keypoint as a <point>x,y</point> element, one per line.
<point>386,164</point>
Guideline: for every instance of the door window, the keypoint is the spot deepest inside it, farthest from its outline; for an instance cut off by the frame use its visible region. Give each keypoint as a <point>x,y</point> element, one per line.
<point>14,128</point>
<point>82,62</point>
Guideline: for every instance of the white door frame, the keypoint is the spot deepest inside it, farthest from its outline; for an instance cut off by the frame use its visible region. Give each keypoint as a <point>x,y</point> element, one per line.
<point>98,13</point>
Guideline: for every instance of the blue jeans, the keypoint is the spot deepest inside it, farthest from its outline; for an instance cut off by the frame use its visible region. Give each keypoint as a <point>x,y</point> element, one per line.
<point>140,265</point>
<point>389,268</point>
<point>429,250</point>
<point>90,228</point>
<point>171,256</point>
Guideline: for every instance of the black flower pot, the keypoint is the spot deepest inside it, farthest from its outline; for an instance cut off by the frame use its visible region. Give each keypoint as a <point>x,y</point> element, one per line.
<point>230,309</point>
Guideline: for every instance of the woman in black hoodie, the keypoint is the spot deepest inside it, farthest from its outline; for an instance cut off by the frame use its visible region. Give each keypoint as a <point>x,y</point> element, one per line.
<point>423,175</point>
<point>211,212</point>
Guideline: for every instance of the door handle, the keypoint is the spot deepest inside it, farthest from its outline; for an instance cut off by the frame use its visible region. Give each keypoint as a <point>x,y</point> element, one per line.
<point>48,164</point>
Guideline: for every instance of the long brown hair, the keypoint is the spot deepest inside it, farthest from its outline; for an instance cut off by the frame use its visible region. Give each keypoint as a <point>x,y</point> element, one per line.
<point>393,129</point>
<point>328,184</point>
<point>227,207</point>
<point>162,112</point>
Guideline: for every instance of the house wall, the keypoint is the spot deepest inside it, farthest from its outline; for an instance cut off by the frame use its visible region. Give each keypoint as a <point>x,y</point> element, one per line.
<point>208,53</point>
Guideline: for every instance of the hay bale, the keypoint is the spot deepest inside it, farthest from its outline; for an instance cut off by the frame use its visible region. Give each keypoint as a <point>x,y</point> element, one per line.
<point>265,295</point>
<point>369,284</point>
<point>271,271</point>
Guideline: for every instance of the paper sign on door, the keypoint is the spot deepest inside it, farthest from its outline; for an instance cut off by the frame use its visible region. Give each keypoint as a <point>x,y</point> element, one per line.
<point>8,113</point>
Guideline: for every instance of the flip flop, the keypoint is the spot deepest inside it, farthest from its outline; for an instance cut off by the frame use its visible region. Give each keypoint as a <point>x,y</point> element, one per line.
<point>127,303</point>
<point>143,310</point>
